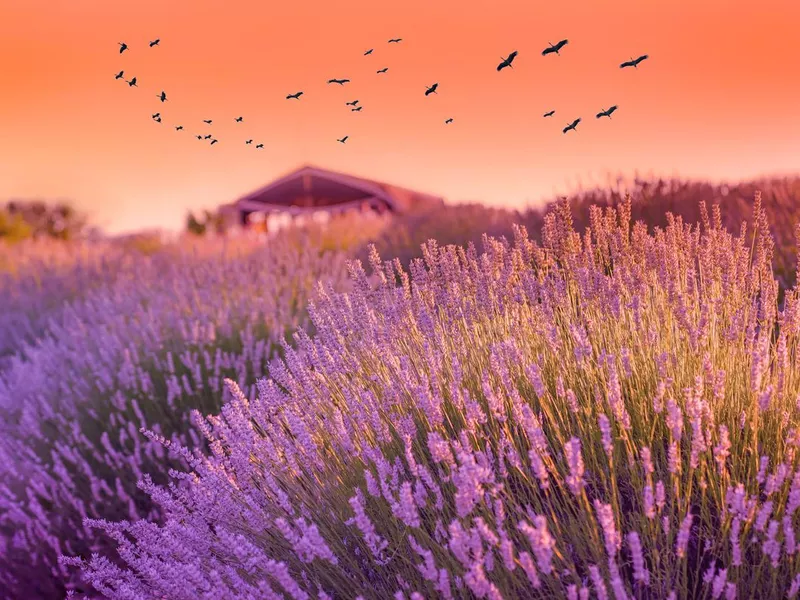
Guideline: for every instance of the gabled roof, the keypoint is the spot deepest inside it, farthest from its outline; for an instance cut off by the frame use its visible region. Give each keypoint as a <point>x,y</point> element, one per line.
<point>398,198</point>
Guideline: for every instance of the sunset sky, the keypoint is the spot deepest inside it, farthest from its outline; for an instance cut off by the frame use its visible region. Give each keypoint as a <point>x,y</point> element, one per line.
<point>719,97</point>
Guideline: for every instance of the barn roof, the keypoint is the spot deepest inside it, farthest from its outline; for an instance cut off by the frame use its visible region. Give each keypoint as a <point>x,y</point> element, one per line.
<point>330,188</point>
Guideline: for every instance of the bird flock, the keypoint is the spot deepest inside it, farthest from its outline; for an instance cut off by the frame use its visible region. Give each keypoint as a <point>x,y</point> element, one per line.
<point>506,62</point>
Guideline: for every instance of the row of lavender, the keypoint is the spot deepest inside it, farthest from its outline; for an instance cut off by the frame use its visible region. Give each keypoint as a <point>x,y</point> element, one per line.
<point>114,341</point>
<point>609,414</point>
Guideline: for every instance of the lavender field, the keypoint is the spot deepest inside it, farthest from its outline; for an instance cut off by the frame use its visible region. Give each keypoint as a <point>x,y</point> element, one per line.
<point>612,412</point>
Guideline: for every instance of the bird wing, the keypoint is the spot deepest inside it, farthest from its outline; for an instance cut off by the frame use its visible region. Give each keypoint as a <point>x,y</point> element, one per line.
<point>547,51</point>
<point>641,58</point>
<point>627,63</point>
<point>566,129</point>
<point>612,109</point>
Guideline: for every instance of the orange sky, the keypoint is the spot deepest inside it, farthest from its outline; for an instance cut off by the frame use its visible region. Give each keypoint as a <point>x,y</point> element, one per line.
<point>719,96</point>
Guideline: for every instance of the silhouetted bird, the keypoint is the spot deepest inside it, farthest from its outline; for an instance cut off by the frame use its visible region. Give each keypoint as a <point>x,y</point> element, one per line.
<point>395,40</point>
<point>343,140</point>
<point>157,119</point>
<point>607,113</point>
<point>207,121</point>
<point>448,121</point>
<point>162,96</point>
<point>122,47</point>
<point>339,81</point>
<point>178,127</point>
<point>507,61</point>
<point>259,146</point>
<point>572,125</point>
<point>431,90</point>
<point>207,137</point>
<point>119,75</point>
<point>248,141</point>
<point>353,103</point>
<point>634,62</point>
<point>132,82</point>
<point>368,51</point>
<point>199,137</point>
<point>214,142</point>
<point>238,119</point>
<point>156,115</point>
<point>356,109</point>
<point>384,70</point>
<point>555,48</point>
<point>549,114</point>
<point>155,42</point>
<point>294,96</point>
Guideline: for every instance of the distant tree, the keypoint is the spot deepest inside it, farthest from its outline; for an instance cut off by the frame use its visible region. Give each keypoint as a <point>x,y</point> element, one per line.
<point>215,221</point>
<point>194,226</point>
<point>59,220</point>
<point>212,221</point>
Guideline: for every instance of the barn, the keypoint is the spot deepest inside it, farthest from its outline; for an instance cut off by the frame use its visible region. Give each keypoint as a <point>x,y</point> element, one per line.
<point>314,194</point>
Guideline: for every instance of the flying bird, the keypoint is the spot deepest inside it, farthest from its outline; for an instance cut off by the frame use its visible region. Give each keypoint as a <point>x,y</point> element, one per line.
<point>356,109</point>
<point>555,48</point>
<point>507,61</point>
<point>343,140</point>
<point>155,42</point>
<point>199,137</point>
<point>448,121</point>
<point>162,96</point>
<point>353,103</point>
<point>368,51</point>
<point>572,125</point>
<point>214,141</point>
<point>549,114</point>
<point>207,137</point>
<point>248,141</point>
<point>178,127</point>
<point>294,96</point>
<point>122,47</point>
<point>258,146</point>
<point>395,40</point>
<point>431,90</point>
<point>157,119</point>
<point>339,81</point>
<point>156,115</point>
<point>238,119</point>
<point>132,82</point>
<point>607,113</point>
<point>119,75</point>
<point>633,62</point>
<point>383,70</point>
<point>207,121</point>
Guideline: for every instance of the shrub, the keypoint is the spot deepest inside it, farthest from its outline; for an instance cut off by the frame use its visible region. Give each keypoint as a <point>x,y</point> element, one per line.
<point>616,411</point>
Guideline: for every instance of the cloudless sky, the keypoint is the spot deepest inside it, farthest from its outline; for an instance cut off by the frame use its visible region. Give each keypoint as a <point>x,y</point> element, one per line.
<point>717,98</point>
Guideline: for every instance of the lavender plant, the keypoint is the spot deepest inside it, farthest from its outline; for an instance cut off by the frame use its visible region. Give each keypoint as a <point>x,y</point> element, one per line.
<point>153,338</point>
<point>607,415</point>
